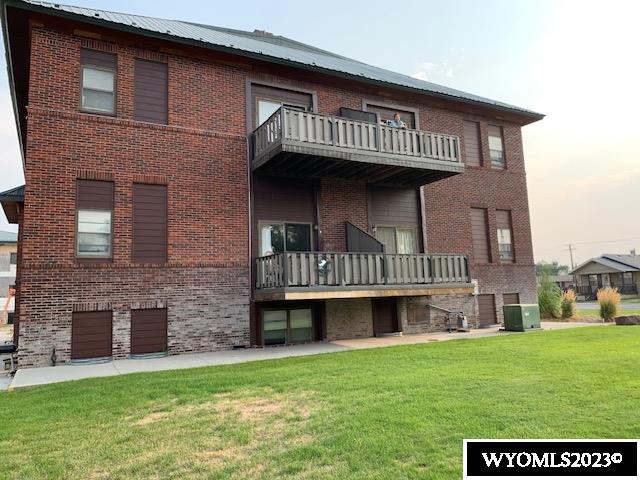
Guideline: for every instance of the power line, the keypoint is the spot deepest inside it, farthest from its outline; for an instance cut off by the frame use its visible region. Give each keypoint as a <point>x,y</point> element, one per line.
<point>605,241</point>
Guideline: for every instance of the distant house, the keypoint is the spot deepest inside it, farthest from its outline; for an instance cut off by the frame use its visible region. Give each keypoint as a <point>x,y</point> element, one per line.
<point>564,281</point>
<point>609,270</point>
<point>8,261</point>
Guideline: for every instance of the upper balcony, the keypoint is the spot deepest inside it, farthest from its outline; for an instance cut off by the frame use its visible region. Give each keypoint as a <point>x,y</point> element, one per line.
<point>305,144</point>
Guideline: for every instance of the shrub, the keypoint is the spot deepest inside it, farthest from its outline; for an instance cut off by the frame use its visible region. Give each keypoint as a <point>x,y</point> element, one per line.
<point>549,298</point>
<point>609,299</point>
<point>568,304</point>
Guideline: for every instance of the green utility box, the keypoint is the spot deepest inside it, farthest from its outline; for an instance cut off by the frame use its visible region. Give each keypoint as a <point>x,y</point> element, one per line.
<point>520,317</point>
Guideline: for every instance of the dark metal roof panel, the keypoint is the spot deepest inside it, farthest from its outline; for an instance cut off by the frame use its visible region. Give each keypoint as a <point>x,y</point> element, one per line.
<point>275,48</point>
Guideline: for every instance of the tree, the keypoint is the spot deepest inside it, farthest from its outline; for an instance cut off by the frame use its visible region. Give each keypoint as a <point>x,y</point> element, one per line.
<point>553,268</point>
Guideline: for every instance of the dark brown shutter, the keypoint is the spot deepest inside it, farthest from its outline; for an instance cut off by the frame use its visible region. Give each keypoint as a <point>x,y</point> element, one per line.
<point>149,330</point>
<point>394,206</point>
<point>494,131</point>
<point>151,92</point>
<point>472,146</point>
<point>149,223</point>
<point>487,310</point>
<point>98,59</point>
<point>511,298</point>
<point>91,335</point>
<point>503,219</point>
<point>94,194</point>
<point>480,235</point>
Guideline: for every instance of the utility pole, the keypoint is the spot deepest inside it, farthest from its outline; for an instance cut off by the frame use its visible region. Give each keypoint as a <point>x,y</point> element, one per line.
<point>571,248</point>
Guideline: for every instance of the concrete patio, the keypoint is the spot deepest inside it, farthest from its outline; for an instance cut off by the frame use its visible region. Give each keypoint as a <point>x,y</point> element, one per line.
<point>44,375</point>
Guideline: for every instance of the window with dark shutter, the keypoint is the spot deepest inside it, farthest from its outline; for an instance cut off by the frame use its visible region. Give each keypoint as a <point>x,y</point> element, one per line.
<point>480,235</point>
<point>151,92</point>
<point>496,147</point>
<point>149,223</point>
<point>94,212</point>
<point>505,240</point>
<point>472,145</point>
<point>98,81</point>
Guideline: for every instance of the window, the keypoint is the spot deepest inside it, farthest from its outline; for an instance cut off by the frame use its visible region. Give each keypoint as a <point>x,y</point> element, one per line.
<point>280,237</point>
<point>496,147</point>
<point>594,280</point>
<point>98,81</point>
<point>627,278</point>
<point>13,258</point>
<point>480,236</point>
<point>266,100</point>
<point>505,242</point>
<point>151,92</point>
<point>149,223</point>
<point>397,239</point>
<point>94,203</point>
<point>387,113</point>
<point>94,233</point>
<point>287,326</point>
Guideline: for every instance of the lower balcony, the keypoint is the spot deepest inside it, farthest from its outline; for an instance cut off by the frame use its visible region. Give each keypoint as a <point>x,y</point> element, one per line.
<point>324,275</point>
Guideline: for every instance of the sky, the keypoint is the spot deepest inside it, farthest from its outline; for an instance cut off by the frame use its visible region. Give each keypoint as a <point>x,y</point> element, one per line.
<point>574,60</point>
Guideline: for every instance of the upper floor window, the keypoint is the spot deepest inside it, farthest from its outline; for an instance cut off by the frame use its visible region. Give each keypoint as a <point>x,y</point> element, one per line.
<point>496,147</point>
<point>397,239</point>
<point>94,234</point>
<point>505,242</point>
<point>266,100</point>
<point>98,82</point>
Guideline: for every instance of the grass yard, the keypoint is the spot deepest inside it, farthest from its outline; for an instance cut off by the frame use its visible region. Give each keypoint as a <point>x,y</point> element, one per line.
<point>391,413</point>
<point>595,312</point>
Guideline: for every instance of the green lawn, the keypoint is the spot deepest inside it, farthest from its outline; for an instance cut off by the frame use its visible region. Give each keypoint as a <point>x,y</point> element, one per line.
<point>596,312</point>
<point>391,413</point>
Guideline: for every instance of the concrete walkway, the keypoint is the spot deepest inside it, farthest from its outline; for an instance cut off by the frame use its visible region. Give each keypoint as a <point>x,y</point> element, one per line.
<point>40,376</point>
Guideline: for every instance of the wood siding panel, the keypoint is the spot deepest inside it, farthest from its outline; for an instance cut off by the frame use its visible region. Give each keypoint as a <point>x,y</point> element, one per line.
<point>149,330</point>
<point>151,91</point>
<point>91,334</point>
<point>394,206</point>
<point>487,310</point>
<point>281,199</point>
<point>94,194</point>
<point>503,219</point>
<point>511,298</point>
<point>149,223</point>
<point>98,59</point>
<point>480,235</point>
<point>472,144</point>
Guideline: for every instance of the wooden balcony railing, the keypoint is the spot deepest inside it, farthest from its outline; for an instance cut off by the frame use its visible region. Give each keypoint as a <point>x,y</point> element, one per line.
<point>324,269</point>
<point>342,134</point>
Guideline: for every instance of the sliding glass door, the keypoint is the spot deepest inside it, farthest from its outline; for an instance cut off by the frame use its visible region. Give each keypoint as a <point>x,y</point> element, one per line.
<point>287,326</point>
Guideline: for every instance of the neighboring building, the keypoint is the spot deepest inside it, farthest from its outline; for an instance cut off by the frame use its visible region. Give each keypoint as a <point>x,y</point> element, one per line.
<point>565,282</point>
<point>192,188</point>
<point>8,261</point>
<point>609,270</point>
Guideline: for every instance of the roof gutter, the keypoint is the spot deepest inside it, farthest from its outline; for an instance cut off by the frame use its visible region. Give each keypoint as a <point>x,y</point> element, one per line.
<point>533,116</point>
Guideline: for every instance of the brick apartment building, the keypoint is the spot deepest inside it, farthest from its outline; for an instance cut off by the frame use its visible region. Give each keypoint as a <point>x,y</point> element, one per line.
<point>192,188</point>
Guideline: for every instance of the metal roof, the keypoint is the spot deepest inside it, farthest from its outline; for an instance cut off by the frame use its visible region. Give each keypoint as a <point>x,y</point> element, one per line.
<point>267,47</point>
<point>13,195</point>
<point>622,263</point>
<point>8,237</point>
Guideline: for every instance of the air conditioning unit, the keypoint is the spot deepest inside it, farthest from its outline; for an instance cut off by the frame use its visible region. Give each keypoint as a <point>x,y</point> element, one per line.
<point>521,317</point>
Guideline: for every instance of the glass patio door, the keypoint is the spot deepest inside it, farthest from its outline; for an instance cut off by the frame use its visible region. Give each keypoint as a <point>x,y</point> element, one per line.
<point>280,327</point>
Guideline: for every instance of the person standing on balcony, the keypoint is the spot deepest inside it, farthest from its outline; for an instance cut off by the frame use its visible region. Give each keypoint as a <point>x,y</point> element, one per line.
<point>396,122</point>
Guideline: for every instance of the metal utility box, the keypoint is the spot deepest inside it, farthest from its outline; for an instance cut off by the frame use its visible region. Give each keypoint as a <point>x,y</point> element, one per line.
<point>520,318</point>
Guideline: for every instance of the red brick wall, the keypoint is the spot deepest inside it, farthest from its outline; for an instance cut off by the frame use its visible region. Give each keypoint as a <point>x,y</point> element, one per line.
<point>201,156</point>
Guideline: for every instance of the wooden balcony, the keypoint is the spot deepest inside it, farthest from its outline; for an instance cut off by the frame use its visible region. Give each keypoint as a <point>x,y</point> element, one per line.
<point>321,275</point>
<point>305,144</point>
